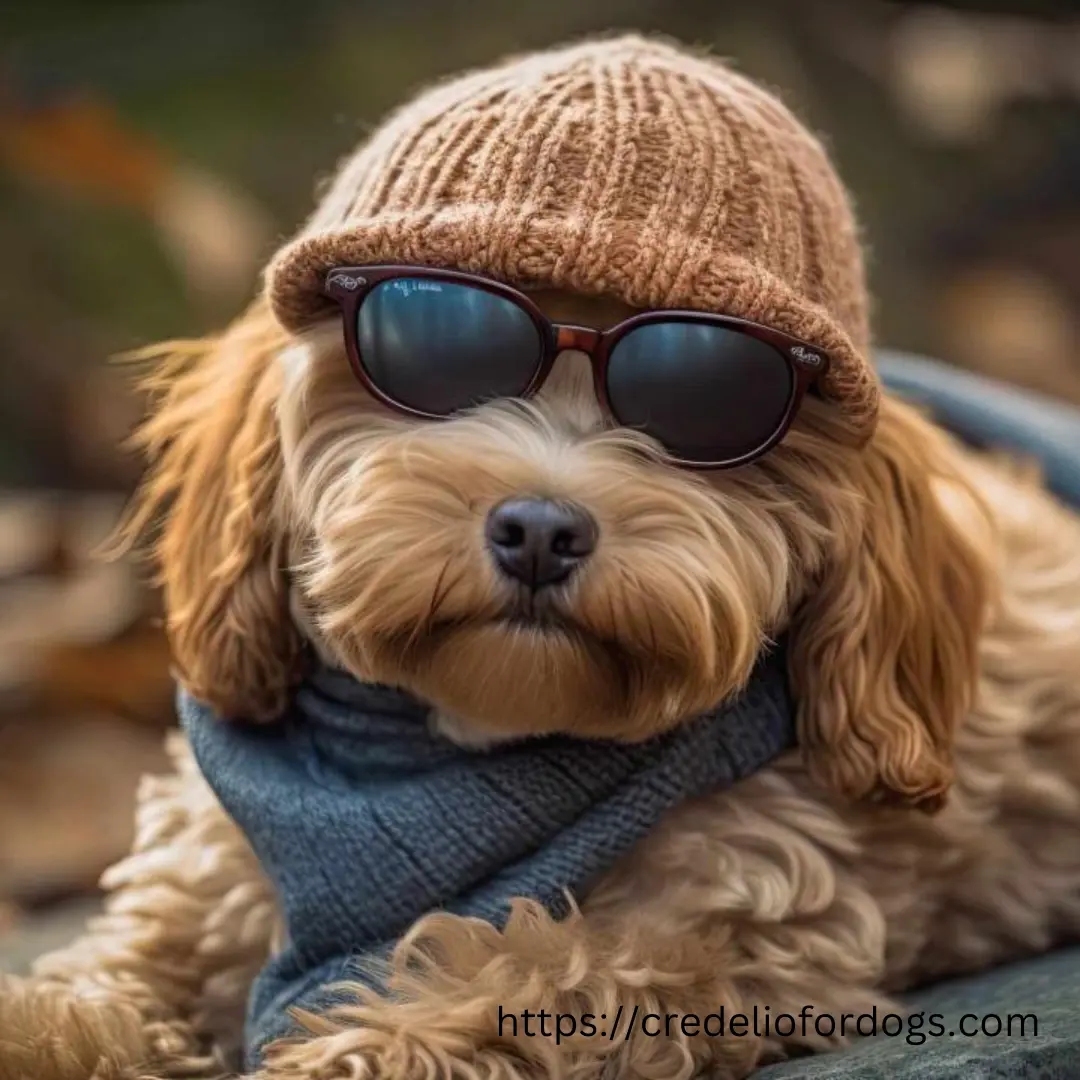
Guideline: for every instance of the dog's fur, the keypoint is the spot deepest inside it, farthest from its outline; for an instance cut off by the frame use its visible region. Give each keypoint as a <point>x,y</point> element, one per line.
<point>933,603</point>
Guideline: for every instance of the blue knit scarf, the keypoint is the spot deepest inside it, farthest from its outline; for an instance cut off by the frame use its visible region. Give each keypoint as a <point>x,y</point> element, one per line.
<point>365,820</point>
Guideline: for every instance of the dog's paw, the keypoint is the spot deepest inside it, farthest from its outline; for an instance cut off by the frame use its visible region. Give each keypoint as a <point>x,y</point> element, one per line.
<point>47,1032</point>
<point>50,1031</point>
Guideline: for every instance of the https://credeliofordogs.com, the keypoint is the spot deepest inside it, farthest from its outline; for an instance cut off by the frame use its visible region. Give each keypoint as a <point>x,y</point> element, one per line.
<point>762,1022</point>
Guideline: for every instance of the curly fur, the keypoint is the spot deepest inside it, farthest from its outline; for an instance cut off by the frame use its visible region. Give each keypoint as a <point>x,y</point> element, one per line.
<point>933,602</point>
<point>159,981</point>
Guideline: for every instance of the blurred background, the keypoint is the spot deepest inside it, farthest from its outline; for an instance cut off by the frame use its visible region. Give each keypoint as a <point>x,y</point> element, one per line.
<point>152,154</point>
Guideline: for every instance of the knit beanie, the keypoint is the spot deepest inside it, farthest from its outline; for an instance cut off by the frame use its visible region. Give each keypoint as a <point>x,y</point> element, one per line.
<point>626,167</point>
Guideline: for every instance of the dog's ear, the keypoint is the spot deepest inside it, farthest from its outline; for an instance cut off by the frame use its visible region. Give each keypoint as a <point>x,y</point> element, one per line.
<point>885,649</point>
<point>210,504</point>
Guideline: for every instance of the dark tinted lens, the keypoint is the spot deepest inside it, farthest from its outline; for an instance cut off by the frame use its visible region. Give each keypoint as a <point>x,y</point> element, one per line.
<point>709,394</point>
<point>440,346</point>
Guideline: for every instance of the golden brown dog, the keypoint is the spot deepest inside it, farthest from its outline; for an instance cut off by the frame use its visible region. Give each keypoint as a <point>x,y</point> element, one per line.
<point>934,604</point>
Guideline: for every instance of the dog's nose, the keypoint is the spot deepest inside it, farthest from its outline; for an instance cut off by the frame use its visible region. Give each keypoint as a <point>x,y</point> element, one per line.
<point>539,542</point>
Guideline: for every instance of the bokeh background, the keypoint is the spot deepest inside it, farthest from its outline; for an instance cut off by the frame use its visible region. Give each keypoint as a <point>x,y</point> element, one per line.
<point>152,154</point>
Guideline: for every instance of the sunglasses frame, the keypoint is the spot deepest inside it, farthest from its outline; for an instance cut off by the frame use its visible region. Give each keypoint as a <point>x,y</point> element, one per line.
<point>349,286</point>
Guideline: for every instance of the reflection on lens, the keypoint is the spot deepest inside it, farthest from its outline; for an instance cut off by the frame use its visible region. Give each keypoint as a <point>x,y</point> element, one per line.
<point>440,346</point>
<point>708,393</point>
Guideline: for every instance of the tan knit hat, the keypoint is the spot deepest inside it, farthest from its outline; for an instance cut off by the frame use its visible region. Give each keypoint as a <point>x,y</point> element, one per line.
<point>626,167</point>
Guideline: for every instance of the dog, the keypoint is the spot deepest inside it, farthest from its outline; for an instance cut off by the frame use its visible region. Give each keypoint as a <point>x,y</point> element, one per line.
<point>930,596</point>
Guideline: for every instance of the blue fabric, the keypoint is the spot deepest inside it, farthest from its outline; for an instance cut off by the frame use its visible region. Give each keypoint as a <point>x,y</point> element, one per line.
<point>365,820</point>
<point>991,415</point>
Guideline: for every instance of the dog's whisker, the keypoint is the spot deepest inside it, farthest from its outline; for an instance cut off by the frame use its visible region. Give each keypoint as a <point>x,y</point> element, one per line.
<point>438,598</point>
<point>437,595</point>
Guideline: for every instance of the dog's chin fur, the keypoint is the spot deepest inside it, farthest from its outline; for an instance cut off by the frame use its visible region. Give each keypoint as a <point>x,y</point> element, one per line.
<point>689,579</point>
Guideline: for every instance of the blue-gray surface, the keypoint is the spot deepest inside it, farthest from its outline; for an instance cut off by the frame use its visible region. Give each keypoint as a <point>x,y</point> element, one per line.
<point>1045,991</point>
<point>993,415</point>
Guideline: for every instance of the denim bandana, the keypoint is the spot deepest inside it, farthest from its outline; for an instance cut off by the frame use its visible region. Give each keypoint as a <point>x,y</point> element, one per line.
<point>365,819</point>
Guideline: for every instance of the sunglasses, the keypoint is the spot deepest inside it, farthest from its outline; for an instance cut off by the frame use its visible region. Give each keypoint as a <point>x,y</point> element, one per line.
<point>714,391</point>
